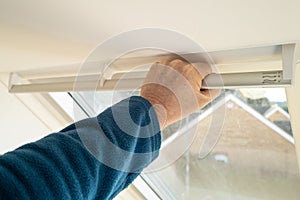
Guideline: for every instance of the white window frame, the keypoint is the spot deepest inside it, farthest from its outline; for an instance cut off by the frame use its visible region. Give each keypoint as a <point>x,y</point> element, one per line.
<point>66,102</point>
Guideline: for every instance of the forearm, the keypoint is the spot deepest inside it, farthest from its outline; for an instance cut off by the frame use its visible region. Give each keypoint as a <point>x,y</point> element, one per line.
<point>74,163</point>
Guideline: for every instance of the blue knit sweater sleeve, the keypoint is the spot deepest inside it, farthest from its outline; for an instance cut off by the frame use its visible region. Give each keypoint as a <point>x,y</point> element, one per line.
<point>95,158</point>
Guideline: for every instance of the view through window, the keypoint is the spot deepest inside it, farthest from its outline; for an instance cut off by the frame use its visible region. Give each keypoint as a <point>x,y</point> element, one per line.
<point>253,158</point>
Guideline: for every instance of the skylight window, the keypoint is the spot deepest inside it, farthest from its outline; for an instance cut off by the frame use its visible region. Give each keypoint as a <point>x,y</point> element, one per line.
<point>253,155</point>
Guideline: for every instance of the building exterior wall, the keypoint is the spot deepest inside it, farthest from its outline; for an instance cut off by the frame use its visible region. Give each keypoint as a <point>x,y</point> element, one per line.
<point>260,163</point>
<point>277,116</point>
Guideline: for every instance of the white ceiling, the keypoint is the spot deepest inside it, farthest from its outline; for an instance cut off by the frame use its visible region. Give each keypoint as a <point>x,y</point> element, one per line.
<point>38,33</point>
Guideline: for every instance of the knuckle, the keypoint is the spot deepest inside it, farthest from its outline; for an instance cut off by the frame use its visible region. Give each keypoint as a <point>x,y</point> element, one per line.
<point>177,62</point>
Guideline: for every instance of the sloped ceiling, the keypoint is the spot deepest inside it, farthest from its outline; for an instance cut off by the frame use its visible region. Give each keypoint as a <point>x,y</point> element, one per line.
<point>37,34</point>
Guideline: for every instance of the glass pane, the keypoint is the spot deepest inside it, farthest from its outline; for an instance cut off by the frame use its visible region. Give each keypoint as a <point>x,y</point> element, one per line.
<point>253,157</point>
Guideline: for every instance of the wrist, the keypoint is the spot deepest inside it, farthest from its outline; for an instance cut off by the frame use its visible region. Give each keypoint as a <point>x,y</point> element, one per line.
<point>160,112</point>
<point>161,115</point>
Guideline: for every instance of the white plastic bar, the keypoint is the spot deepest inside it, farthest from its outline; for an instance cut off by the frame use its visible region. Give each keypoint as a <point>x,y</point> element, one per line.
<point>129,84</point>
<point>250,79</point>
<point>288,62</point>
<point>238,68</point>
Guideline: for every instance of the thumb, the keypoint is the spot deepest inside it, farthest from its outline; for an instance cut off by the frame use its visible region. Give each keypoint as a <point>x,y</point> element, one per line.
<point>207,95</point>
<point>210,94</point>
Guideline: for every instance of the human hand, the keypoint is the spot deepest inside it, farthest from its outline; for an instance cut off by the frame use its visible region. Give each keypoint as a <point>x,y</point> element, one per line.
<point>173,87</point>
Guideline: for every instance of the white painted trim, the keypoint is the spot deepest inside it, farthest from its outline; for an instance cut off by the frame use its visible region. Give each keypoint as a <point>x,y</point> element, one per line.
<point>65,102</point>
<point>270,111</point>
<point>275,108</point>
<point>293,97</point>
<point>145,189</point>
